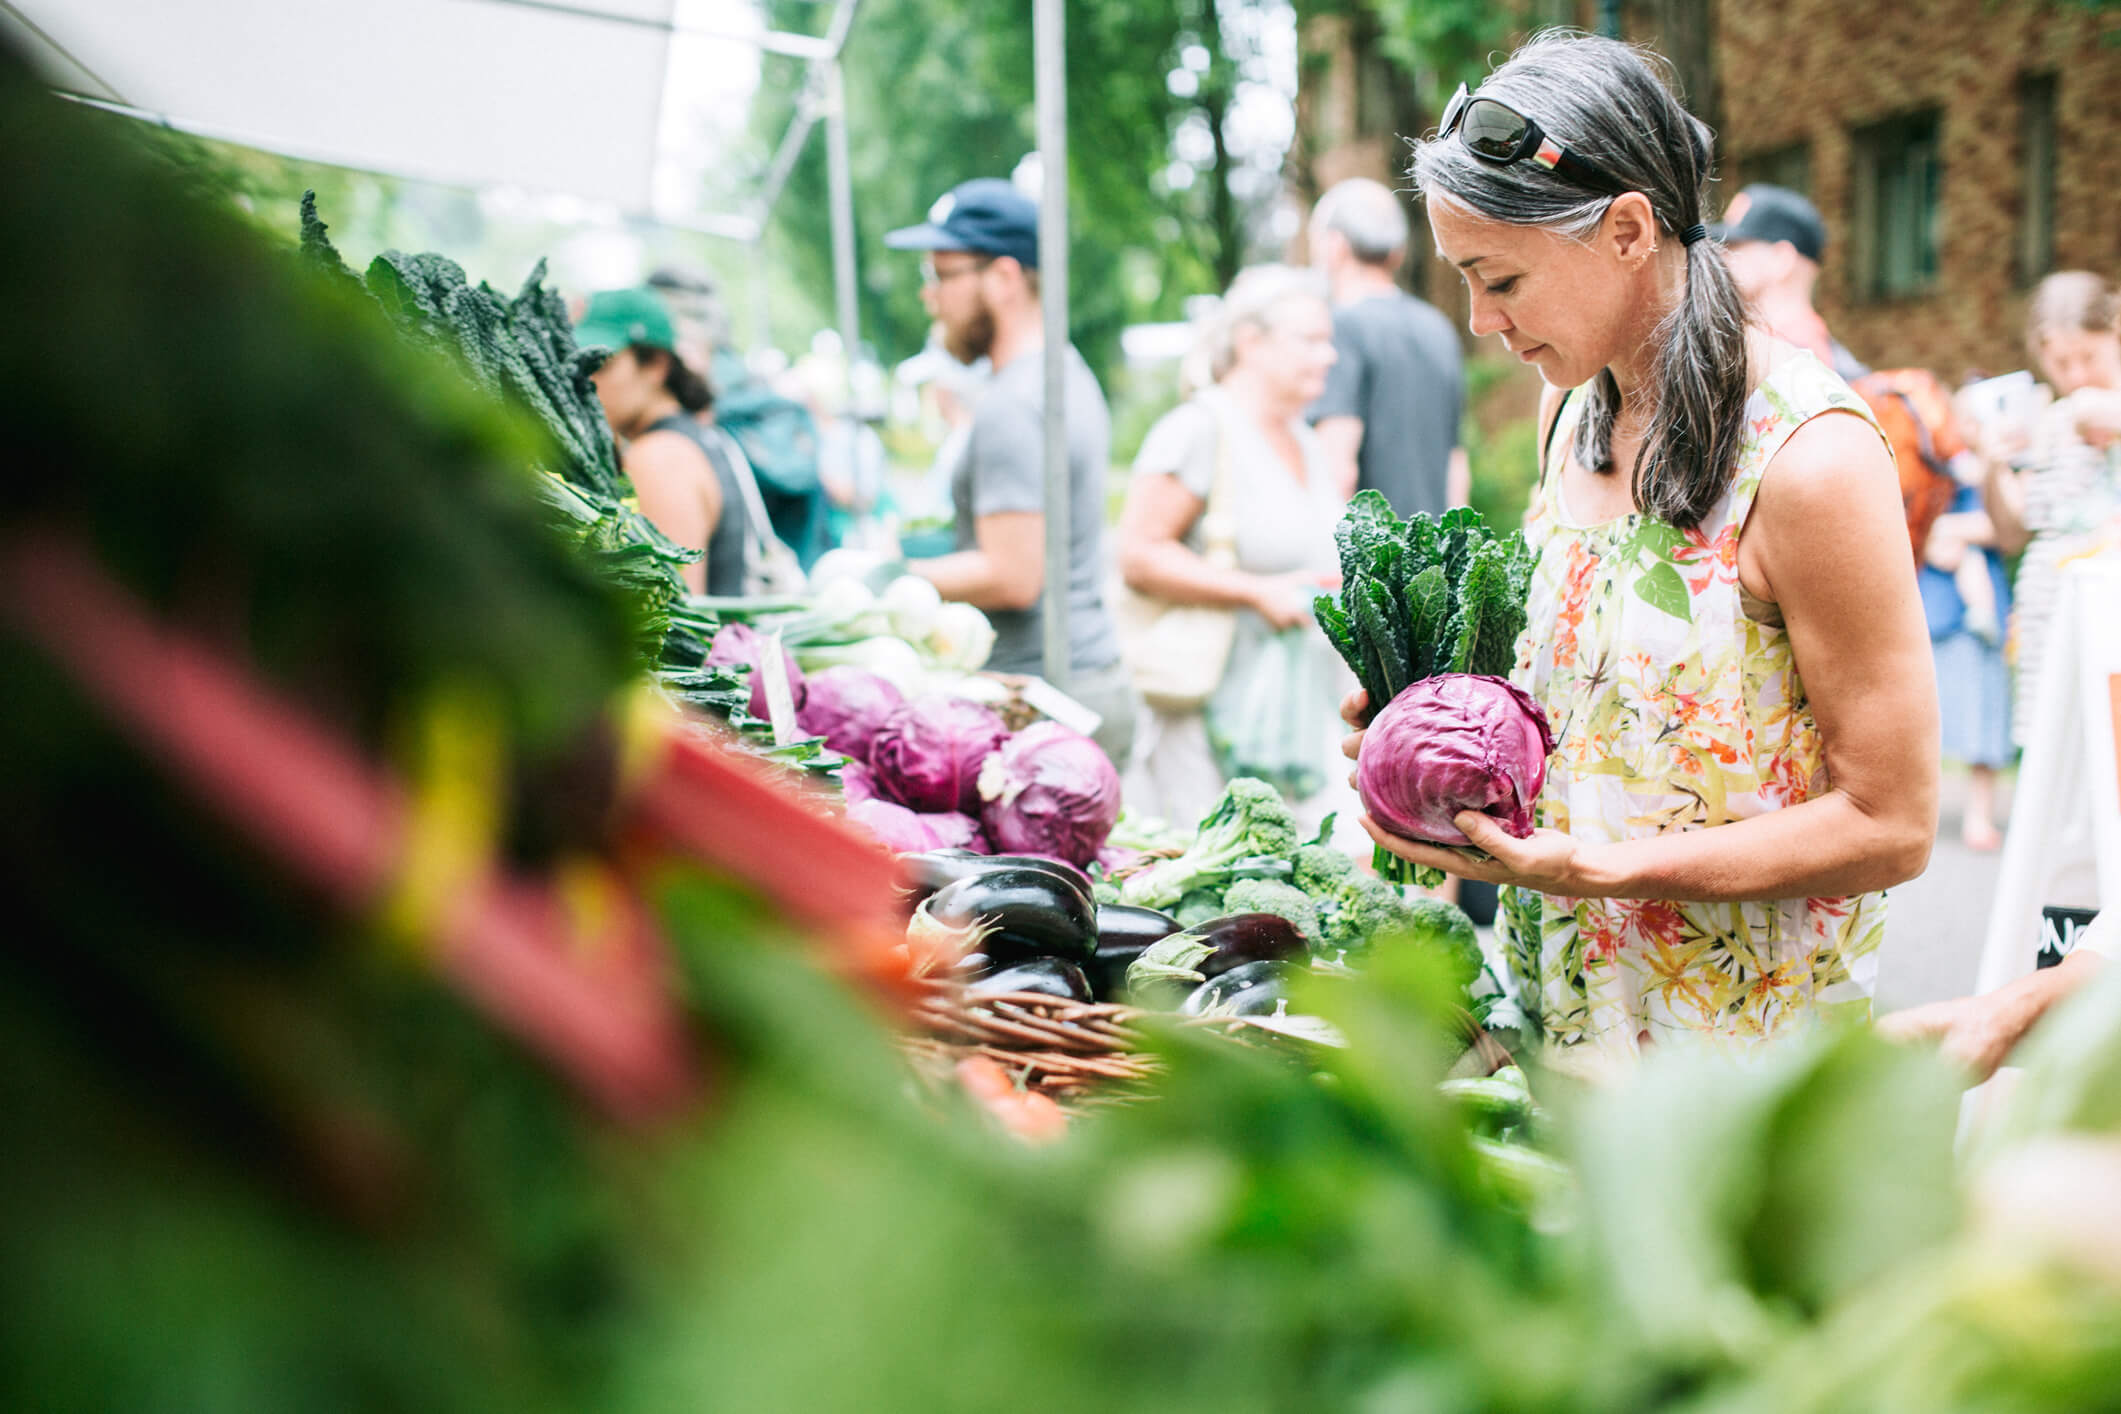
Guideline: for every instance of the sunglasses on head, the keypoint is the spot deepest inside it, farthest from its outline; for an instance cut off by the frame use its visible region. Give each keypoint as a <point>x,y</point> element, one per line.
<point>1495,132</point>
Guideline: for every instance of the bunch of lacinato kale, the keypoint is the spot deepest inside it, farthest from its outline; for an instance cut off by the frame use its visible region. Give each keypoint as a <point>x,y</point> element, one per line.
<point>1428,616</point>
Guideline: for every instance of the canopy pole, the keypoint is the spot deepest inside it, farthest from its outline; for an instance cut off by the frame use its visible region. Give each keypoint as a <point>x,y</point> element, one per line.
<point>761,322</point>
<point>842,184</point>
<point>1050,73</point>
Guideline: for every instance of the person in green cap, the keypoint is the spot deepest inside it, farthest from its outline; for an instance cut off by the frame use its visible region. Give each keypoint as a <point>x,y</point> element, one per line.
<point>653,399</point>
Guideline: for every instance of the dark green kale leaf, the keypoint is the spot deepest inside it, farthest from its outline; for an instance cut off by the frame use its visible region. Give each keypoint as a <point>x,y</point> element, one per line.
<point>1428,611</point>
<point>1488,619</point>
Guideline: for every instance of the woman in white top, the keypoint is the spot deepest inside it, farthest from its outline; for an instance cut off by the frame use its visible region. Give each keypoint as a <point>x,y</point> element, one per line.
<point>1269,347</point>
<point>2070,490</point>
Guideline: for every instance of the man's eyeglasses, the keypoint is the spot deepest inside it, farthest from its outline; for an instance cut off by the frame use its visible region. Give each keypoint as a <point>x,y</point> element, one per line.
<point>932,276</point>
<point>1495,132</point>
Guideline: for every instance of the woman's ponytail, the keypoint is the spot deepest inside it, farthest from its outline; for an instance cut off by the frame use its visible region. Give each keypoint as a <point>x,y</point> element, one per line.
<point>687,386</point>
<point>1698,417</point>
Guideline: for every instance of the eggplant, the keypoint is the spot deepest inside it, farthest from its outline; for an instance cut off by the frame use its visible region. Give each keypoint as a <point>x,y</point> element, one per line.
<point>1124,933</point>
<point>1015,913</point>
<point>1253,989</point>
<point>1248,937</point>
<point>921,875</point>
<point>1061,867</point>
<point>1053,976</point>
<point>1171,968</point>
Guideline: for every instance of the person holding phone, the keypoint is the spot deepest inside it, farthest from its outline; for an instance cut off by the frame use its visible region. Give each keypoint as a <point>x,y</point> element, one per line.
<point>2053,488</point>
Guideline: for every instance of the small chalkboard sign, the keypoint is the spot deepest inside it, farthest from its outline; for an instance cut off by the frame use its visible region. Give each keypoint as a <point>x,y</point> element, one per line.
<point>2059,931</point>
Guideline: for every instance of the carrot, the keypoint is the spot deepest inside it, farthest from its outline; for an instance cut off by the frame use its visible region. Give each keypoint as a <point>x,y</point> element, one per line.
<point>1030,1116</point>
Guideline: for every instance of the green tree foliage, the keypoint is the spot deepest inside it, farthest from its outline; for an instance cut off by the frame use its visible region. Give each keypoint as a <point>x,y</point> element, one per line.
<point>938,92</point>
<point>1435,44</point>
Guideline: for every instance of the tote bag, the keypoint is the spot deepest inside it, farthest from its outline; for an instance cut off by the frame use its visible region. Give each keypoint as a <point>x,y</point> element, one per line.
<point>1176,653</point>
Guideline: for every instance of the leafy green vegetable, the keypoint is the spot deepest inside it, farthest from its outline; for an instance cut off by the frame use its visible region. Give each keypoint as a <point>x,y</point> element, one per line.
<point>522,352</point>
<point>1250,820</point>
<point>1420,598</point>
<point>1168,969</point>
<point>1428,606</point>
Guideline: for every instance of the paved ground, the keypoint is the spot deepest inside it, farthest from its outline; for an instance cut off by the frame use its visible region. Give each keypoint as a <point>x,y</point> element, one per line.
<point>1935,929</point>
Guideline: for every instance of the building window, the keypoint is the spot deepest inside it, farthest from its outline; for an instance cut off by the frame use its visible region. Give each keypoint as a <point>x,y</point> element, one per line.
<point>1784,167</point>
<point>2036,159</point>
<point>1899,177</point>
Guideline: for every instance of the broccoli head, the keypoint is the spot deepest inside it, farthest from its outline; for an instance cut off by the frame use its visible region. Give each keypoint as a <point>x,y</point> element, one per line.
<point>1250,820</point>
<point>1364,910</point>
<point>1432,923</point>
<point>1321,870</point>
<point>1198,907</point>
<point>1273,896</point>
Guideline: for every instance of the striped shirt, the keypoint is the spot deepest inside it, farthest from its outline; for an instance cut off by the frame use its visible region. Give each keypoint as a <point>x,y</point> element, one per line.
<point>2071,490</point>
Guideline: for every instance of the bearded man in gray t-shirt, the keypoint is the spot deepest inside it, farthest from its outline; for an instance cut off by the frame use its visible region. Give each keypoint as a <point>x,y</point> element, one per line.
<point>1389,416</point>
<point>981,287</point>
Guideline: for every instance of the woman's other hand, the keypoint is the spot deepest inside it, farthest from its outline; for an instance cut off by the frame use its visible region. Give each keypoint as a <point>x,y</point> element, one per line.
<point>1355,711</point>
<point>1284,600</point>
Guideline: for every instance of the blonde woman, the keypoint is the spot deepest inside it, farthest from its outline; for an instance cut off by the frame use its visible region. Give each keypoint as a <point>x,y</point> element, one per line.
<point>1269,346</point>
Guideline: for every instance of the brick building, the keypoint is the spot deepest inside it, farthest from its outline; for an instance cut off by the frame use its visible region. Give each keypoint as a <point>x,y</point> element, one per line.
<point>1958,150</point>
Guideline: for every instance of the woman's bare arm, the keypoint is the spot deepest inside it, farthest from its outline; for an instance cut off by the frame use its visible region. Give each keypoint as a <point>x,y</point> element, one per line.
<point>1154,559</point>
<point>2003,494</point>
<point>678,492</point>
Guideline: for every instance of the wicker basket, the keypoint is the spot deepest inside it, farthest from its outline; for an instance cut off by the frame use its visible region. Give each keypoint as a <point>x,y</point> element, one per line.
<point>1083,1050</point>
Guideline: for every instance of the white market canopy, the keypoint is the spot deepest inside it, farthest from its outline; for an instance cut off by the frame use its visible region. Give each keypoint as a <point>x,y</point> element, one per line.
<point>548,96</point>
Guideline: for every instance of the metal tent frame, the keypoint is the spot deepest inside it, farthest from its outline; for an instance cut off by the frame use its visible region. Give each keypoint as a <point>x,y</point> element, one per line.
<point>822,97</point>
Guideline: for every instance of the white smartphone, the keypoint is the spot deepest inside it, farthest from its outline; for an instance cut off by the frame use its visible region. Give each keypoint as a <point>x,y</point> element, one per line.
<point>2007,400</point>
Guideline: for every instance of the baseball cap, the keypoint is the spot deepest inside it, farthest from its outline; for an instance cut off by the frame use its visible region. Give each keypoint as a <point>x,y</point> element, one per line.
<point>618,319</point>
<point>1772,213</point>
<point>986,215</point>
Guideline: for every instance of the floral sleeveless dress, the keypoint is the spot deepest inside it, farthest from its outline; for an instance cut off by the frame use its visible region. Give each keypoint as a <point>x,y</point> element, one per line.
<point>1677,706</point>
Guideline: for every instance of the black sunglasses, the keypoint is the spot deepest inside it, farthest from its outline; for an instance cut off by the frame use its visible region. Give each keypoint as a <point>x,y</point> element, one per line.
<point>1495,132</point>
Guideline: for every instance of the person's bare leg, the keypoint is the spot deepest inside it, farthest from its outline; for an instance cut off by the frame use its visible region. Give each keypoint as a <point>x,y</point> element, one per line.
<point>1977,827</point>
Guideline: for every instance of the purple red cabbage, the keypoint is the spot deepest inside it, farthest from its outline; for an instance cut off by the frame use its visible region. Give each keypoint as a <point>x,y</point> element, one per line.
<point>927,754</point>
<point>1050,790</point>
<point>1463,741</point>
<point>846,706</point>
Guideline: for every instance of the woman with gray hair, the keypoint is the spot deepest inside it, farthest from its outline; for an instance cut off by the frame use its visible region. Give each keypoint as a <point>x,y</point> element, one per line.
<point>1230,507</point>
<point>1723,633</point>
